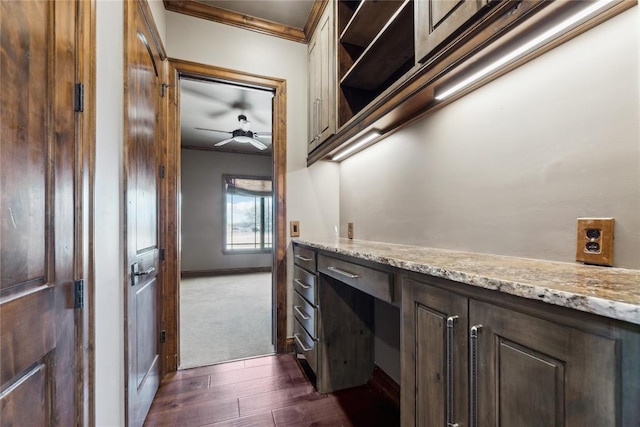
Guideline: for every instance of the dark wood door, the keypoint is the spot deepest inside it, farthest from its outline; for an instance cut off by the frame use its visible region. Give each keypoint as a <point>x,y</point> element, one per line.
<point>435,369</point>
<point>37,327</point>
<point>143,141</point>
<point>532,372</point>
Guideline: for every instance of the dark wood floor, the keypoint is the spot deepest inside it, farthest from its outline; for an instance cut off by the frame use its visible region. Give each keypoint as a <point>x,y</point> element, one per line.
<point>267,391</point>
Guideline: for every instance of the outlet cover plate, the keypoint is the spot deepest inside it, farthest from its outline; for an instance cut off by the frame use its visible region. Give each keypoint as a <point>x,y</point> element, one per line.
<point>294,228</point>
<point>594,242</point>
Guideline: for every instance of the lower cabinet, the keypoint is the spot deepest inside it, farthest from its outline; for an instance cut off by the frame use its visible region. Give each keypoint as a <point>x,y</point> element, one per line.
<point>467,362</point>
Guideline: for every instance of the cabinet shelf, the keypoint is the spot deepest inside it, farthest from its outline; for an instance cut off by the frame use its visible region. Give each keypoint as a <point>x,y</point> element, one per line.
<point>386,54</point>
<point>367,21</point>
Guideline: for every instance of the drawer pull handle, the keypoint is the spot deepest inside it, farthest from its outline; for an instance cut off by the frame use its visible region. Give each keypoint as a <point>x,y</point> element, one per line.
<point>301,313</point>
<point>342,272</point>
<point>302,258</point>
<point>302,285</point>
<point>297,337</point>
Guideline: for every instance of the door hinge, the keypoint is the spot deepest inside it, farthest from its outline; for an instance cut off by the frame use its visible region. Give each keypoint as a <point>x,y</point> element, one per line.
<point>163,89</point>
<point>162,254</point>
<point>163,337</point>
<point>78,286</point>
<point>78,97</point>
<point>162,171</point>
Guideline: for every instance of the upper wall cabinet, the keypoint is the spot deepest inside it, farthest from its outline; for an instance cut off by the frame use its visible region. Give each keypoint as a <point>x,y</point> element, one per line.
<point>395,58</point>
<point>438,20</point>
<point>322,80</point>
<point>375,48</point>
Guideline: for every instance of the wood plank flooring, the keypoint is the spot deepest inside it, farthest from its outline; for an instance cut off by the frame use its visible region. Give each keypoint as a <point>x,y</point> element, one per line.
<point>262,392</point>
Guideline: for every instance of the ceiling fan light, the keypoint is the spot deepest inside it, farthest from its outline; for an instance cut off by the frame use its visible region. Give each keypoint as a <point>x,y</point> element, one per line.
<point>244,139</point>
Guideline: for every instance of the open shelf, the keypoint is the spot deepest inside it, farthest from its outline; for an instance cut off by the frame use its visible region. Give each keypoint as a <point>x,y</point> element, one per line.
<point>368,19</point>
<point>391,48</point>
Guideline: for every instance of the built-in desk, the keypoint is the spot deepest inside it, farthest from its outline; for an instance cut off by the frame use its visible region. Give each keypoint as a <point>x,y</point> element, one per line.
<point>334,307</point>
<point>483,336</point>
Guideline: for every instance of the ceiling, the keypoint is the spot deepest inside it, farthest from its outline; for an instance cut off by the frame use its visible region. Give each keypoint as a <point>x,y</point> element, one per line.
<point>289,19</point>
<point>292,13</point>
<point>216,105</point>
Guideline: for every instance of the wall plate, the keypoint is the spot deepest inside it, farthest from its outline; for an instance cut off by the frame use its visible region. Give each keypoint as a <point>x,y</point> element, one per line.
<point>594,243</point>
<point>294,228</point>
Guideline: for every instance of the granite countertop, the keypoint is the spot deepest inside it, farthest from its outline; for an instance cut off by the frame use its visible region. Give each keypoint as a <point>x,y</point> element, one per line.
<point>605,291</point>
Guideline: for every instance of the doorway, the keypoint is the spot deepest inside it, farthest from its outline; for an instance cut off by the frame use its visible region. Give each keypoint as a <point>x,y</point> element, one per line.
<point>242,253</point>
<point>226,227</point>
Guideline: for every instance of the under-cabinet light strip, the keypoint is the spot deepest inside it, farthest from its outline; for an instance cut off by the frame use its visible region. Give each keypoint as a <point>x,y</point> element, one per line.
<point>369,137</point>
<point>524,48</point>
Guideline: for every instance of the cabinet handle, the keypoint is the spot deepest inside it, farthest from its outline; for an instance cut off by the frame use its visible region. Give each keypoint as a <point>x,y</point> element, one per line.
<point>305,259</point>
<point>473,404</point>
<point>319,118</point>
<point>297,337</point>
<point>302,285</point>
<point>314,123</point>
<point>451,322</point>
<point>301,313</point>
<point>342,272</point>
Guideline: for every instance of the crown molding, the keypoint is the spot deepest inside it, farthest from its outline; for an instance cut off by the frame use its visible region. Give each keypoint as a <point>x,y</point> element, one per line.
<point>223,16</point>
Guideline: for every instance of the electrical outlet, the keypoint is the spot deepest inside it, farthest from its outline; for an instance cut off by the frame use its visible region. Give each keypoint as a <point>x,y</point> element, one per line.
<point>594,243</point>
<point>294,228</point>
<point>350,230</point>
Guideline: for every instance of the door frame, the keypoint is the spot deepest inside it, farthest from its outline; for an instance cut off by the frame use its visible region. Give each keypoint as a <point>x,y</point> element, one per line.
<point>171,310</point>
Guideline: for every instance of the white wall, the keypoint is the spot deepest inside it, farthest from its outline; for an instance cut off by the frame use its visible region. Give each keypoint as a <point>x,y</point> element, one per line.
<point>312,193</point>
<point>160,18</point>
<point>508,168</point>
<point>202,202</point>
<point>109,309</point>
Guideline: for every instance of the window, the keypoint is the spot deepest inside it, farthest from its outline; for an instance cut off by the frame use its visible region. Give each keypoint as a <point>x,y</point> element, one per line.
<point>248,214</point>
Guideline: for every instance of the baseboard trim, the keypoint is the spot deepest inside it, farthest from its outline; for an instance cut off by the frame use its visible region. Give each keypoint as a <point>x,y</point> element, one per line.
<point>289,345</point>
<point>223,272</point>
<point>385,385</point>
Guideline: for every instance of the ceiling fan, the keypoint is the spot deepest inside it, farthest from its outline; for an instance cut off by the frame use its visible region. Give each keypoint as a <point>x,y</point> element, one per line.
<point>242,134</point>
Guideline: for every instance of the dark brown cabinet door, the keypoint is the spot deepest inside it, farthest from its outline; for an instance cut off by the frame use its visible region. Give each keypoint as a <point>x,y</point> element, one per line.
<point>532,372</point>
<point>437,20</point>
<point>322,81</point>
<point>434,356</point>
<point>143,141</point>
<point>37,327</point>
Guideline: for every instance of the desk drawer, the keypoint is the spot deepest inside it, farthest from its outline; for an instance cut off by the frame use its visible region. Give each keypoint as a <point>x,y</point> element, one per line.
<point>305,345</point>
<point>305,313</point>
<point>304,257</point>
<point>305,283</point>
<point>373,282</point>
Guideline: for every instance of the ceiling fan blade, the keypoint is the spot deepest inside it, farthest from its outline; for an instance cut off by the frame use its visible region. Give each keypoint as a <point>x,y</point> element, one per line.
<point>226,141</point>
<point>262,135</point>
<point>214,130</point>
<point>204,96</point>
<point>221,113</point>
<point>257,144</point>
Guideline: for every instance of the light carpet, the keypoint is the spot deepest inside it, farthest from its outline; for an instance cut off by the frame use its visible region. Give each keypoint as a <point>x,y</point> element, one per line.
<point>224,318</point>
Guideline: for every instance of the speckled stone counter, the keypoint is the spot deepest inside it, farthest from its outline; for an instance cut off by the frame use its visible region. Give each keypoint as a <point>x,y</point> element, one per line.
<point>610,292</point>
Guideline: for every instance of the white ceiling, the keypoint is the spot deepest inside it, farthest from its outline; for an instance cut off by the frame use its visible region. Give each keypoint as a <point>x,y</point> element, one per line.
<point>216,105</point>
<point>293,13</point>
